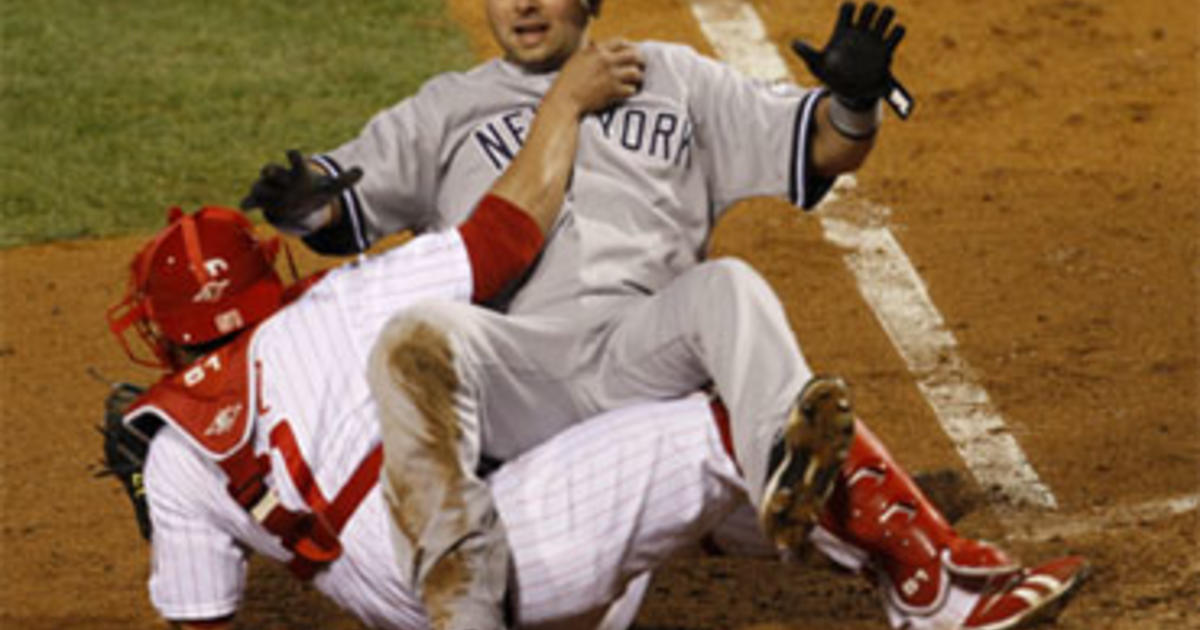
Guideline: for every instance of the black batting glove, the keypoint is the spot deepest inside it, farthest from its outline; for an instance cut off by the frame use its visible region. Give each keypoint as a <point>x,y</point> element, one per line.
<point>856,61</point>
<point>291,197</point>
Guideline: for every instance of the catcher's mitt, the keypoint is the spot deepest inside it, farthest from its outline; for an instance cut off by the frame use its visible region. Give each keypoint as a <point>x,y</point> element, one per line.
<point>125,449</point>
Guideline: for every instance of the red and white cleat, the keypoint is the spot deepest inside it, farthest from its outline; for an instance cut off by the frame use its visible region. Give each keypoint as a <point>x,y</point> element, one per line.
<point>1029,596</point>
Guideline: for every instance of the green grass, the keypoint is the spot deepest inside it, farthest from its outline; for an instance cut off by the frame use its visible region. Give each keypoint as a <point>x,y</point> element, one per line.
<point>113,110</point>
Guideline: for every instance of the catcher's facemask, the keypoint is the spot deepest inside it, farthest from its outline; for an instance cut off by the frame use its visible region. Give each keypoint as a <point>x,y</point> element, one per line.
<point>203,277</point>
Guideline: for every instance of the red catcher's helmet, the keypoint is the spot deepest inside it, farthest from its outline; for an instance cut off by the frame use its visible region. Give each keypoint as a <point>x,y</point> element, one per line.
<point>203,277</point>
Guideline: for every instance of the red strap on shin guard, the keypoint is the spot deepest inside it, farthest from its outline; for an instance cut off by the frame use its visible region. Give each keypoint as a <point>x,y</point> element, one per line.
<point>502,241</point>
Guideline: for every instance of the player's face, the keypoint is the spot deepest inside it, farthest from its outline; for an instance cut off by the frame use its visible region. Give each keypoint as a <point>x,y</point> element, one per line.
<point>538,34</point>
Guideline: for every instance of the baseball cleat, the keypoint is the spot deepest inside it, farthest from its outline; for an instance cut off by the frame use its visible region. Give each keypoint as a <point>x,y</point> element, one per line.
<point>1030,596</point>
<point>805,460</point>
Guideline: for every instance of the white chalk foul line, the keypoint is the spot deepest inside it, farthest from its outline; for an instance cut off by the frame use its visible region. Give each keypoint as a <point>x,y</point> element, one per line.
<point>891,286</point>
<point>737,34</point>
<point>1069,526</point>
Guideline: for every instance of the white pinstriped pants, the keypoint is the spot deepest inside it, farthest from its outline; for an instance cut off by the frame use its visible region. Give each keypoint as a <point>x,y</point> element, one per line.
<point>606,501</point>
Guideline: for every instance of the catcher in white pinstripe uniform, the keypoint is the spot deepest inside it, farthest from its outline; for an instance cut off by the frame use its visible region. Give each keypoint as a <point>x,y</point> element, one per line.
<point>271,441</point>
<point>588,514</point>
<point>622,306</point>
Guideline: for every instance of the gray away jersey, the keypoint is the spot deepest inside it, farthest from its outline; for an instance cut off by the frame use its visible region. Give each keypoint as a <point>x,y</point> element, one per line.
<point>651,175</point>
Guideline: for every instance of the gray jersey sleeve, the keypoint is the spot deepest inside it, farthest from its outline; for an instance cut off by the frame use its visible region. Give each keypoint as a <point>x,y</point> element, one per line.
<point>753,136</point>
<point>427,160</point>
<point>398,151</point>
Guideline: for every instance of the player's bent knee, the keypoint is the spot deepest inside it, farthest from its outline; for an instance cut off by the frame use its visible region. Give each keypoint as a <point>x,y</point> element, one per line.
<point>415,350</point>
<point>737,280</point>
<point>420,321</point>
<point>413,377</point>
<point>404,334</point>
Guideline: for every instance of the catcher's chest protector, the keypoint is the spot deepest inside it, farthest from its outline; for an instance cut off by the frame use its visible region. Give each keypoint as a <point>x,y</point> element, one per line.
<point>210,403</point>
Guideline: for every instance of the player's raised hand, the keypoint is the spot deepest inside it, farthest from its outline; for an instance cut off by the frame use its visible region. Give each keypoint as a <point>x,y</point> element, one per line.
<point>601,74</point>
<point>293,197</point>
<point>856,61</point>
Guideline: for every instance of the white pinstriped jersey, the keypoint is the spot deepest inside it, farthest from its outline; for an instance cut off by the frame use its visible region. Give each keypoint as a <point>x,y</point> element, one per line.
<point>643,479</point>
<point>585,513</point>
<point>651,175</point>
<point>312,356</point>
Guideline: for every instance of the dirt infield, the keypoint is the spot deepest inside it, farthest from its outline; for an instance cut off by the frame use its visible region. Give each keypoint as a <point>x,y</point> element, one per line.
<point>1047,191</point>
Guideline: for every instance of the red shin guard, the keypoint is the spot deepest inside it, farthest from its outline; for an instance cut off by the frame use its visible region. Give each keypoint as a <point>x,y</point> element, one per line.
<point>878,509</point>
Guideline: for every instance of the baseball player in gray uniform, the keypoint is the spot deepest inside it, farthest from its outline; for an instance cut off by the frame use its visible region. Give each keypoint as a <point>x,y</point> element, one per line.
<point>622,306</point>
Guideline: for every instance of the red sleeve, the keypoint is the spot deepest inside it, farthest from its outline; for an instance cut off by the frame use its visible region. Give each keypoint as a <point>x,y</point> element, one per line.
<point>502,241</point>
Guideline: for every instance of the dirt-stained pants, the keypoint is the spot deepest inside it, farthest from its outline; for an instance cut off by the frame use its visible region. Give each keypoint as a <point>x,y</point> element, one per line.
<point>454,381</point>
